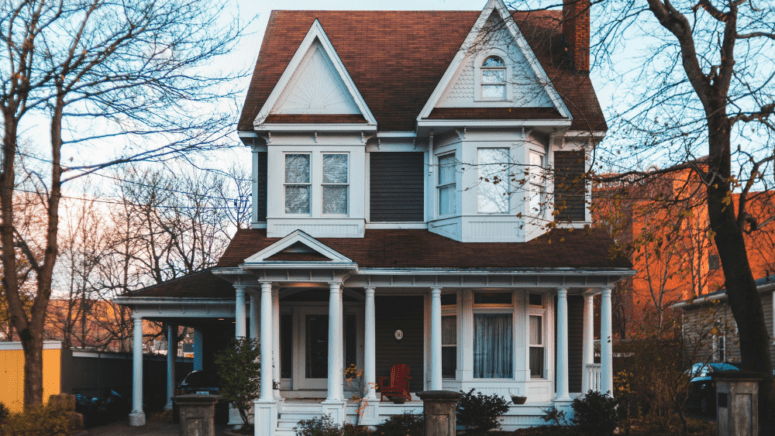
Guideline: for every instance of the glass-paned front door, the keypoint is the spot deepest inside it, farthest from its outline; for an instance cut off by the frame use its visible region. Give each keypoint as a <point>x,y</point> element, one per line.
<point>317,346</point>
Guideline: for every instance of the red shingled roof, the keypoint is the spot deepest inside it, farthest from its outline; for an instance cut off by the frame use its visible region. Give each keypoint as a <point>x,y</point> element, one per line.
<point>588,249</point>
<point>396,59</point>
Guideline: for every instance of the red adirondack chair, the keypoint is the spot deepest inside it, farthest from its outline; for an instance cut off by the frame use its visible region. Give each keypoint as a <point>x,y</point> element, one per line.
<point>399,383</point>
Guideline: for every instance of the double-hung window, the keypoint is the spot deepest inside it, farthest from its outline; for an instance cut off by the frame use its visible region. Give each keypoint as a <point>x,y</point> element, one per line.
<point>331,176</point>
<point>335,184</point>
<point>493,335</point>
<point>536,336</point>
<point>493,190</point>
<point>536,183</point>
<point>446,185</point>
<point>494,79</point>
<point>449,335</point>
<point>298,184</point>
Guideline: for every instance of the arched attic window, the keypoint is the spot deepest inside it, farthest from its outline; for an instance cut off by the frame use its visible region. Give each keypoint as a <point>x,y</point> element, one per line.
<point>494,78</point>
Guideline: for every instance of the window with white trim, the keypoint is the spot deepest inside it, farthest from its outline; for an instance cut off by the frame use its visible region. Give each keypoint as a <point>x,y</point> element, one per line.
<point>446,186</point>
<point>493,79</point>
<point>493,190</point>
<point>536,343</point>
<point>536,183</point>
<point>298,184</point>
<point>335,184</point>
<point>493,335</point>
<point>449,336</point>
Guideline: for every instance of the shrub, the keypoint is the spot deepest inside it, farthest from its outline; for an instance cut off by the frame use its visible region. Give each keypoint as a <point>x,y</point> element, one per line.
<point>48,420</point>
<point>325,426</point>
<point>4,412</point>
<point>596,414</point>
<point>479,413</point>
<point>402,425</point>
<point>240,372</point>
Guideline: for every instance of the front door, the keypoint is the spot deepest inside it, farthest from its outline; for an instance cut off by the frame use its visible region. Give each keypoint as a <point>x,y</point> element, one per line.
<point>311,369</point>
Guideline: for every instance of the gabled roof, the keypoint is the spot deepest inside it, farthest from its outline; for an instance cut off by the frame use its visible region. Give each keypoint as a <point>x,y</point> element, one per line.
<point>397,58</point>
<point>560,248</point>
<point>298,246</point>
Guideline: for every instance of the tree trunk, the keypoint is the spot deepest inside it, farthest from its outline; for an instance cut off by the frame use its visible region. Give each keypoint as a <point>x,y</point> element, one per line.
<point>741,288</point>
<point>32,344</point>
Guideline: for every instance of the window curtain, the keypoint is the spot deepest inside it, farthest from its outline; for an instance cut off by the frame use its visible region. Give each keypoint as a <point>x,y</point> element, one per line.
<point>492,346</point>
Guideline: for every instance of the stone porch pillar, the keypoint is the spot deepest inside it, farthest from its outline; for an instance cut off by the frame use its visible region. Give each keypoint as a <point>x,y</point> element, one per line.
<point>266,406</point>
<point>335,402</point>
<point>137,416</point>
<point>606,345</point>
<point>172,351</point>
<point>562,346</point>
<point>436,339</point>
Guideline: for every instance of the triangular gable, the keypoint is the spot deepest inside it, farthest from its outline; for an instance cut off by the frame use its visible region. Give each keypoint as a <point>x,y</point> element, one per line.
<point>298,242</point>
<point>456,69</point>
<point>315,82</point>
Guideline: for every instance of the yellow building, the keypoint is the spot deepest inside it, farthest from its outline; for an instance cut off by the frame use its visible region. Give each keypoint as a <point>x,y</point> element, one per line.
<point>12,372</point>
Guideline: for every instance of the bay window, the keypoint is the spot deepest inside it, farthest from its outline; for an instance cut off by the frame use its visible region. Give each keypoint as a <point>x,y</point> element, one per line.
<point>446,185</point>
<point>493,335</point>
<point>536,346</point>
<point>536,183</point>
<point>297,183</point>
<point>493,193</point>
<point>448,346</point>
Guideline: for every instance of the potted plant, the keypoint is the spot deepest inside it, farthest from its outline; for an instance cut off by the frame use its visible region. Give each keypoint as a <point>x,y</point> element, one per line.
<point>516,399</point>
<point>398,399</point>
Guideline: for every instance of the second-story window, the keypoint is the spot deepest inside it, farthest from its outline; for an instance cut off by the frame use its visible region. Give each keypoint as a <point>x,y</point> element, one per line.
<point>335,184</point>
<point>494,79</point>
<point>493,190</point>
<point>297,183</point>
<point>536,183</point>
<point>446,185</point>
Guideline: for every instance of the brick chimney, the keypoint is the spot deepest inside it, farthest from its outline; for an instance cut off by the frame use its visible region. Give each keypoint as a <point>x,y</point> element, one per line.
<point>575,27</point>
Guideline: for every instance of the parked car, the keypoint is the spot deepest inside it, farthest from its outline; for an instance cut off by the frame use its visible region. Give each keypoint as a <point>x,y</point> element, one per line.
<point>204,383</point>
<point>702,390</point>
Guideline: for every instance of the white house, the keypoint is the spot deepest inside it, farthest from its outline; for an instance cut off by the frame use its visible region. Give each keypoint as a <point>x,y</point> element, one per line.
<point>401,215</point>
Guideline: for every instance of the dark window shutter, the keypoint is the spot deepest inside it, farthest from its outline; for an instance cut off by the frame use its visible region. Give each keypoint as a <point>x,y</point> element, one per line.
<point>397,187</point>
<point>569,185</point>
<point>262,169</point>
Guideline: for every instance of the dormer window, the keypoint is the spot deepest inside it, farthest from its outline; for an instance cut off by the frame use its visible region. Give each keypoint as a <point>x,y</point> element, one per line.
<point>493,78</point>
<point>297,183</point>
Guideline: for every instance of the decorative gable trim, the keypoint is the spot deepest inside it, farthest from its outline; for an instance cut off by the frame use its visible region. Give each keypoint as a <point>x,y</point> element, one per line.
<point>315,33</point>
<point>491,7</point>
<point>299,237</point>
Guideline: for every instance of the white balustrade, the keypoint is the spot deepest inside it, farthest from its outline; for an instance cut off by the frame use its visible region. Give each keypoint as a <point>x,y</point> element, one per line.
<point>593,377</point>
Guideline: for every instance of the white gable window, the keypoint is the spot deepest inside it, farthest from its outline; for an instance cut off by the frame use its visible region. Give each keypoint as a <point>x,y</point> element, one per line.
<point>536,183</point>
<point>335,184</point>
<point>493,189</point>
<point>297,183</point>
<point>446,185</point>
<point>493,79</point>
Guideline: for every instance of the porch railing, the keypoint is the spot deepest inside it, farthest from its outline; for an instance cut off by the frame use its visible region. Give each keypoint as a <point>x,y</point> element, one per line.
<point>592,377</point>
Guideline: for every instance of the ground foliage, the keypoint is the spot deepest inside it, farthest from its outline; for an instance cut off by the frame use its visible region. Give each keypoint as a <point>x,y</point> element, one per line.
<point>239,369</point>
<point>479,413</point>
<point>47,420</point>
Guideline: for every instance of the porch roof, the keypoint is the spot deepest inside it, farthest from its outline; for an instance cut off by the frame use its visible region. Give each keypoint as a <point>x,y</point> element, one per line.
<point>199,285</point>
<point>417,248</point>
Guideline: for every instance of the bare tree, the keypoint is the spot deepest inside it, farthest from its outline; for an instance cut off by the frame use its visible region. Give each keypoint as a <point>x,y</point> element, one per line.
<point>130,74</point>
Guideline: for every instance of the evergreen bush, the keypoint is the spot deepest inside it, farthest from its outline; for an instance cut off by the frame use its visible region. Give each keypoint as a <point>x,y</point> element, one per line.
<point>479,413</point>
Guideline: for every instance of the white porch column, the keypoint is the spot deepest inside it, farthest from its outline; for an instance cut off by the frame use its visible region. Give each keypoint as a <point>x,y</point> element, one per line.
<point>239,312</point>
<point>137,417</point>
<point>562,345</point>
<point>255,315</point>
<point>588,343</point>
<point>172,338</point>
<point>276,374</point>
<point>370,348</point>
<point>436,339</point>
<point>266,406</point>
<point>606,345</point>
<point>335,403</point>
<point>198,349</point>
